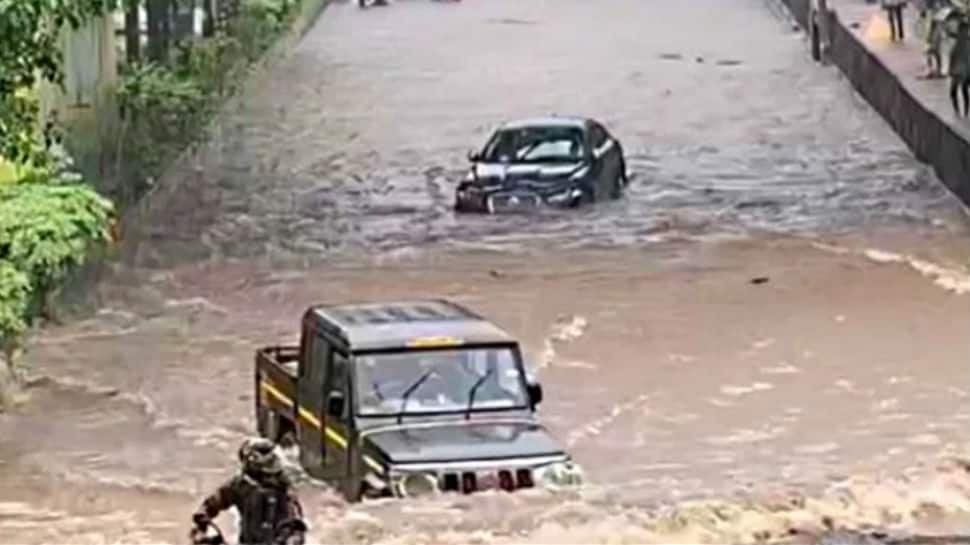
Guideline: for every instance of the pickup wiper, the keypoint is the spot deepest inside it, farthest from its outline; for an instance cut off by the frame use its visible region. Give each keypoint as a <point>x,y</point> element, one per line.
<point>474,389</point>
<point>410,390</point>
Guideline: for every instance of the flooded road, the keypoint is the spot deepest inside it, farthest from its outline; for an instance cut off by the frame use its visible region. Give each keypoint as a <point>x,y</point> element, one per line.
<point>830,389</point>
<point>356,142</point>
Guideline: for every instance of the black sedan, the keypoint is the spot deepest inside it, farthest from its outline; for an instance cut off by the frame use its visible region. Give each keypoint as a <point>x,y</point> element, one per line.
<point>552,161</point>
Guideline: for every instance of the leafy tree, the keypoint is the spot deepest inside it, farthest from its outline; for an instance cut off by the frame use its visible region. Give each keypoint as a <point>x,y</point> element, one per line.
<point>48,224</point>
<point>47,228</point>
<point>30,49</point>
<point>30,31</point>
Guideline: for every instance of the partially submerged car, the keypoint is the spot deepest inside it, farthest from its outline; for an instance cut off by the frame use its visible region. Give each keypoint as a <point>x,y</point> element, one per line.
<point>549,161</point>
<point>408,398</point>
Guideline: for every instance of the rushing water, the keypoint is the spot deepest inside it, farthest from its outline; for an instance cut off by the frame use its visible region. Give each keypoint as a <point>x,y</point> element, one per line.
<point>704,406</point>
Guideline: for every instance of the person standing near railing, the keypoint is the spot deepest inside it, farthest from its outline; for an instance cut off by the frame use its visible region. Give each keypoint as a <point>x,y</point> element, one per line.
<point>894,9</point>
<point>934,34</point>
<point>960,66</point>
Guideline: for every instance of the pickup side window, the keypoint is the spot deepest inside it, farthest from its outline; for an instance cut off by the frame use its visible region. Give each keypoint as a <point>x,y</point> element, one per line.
<point>319,360</point>
<point>306,344</point>
<point>339,377</point>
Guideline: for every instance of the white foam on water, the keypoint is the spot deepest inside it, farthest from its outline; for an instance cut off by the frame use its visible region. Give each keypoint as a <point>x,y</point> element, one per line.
<point>563,331</point>
<point>953,279</point>
<point>743,436</point>
<point>736,391</point>
<point>594,428</point>
<point>681,358</point>
<point>783,368</point>
<point>196,304</point>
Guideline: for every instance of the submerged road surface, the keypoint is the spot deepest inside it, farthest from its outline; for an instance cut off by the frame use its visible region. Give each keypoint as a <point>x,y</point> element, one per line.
<point>669,374</point>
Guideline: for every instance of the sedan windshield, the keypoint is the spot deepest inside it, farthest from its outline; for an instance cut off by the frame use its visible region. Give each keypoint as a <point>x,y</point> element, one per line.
<point>438,380</point>
<point>535,145</point>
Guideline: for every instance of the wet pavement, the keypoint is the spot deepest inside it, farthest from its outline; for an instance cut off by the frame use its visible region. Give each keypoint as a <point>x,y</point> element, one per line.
<point>669,374</point>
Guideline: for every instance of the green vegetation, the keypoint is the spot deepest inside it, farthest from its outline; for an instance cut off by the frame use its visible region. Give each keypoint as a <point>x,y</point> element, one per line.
<point>30,50</point>
<point>48,224</point>
<point>51,220</point>
<point>166,104</point>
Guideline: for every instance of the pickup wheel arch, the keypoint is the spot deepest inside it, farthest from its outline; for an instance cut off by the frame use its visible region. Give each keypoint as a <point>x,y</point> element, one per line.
<point>276,428</point>
<point>287,437</point>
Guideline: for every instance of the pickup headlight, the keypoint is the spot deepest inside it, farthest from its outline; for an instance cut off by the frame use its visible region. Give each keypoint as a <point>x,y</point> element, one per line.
<point>414,485</point>
<point>559,476</point>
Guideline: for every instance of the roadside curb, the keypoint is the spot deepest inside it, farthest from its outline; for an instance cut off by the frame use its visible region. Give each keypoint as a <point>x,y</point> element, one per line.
<point>930,138</point>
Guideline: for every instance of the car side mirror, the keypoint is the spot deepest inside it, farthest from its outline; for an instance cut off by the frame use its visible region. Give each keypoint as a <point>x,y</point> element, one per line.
<point>535,394</point>
<point>473,156</point>
<point>335,404</point>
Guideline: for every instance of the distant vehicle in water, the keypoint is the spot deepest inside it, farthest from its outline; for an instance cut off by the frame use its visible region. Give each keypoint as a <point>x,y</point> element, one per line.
<point>408,398</point>
<point>548,161</point>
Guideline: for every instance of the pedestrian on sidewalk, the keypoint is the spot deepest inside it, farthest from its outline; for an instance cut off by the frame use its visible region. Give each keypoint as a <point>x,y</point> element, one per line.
<point>894,9</point>
<point>934,44</point>
<point>960,66</point>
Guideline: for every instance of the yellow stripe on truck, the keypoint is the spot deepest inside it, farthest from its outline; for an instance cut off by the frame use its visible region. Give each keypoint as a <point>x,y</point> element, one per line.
<point>305,414</point>
<point>271,390</point>
<point>374,464</point>
<point>434,342</point>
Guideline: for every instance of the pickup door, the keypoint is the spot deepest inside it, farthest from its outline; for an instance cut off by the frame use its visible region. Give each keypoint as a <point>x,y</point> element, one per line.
<point>323,436</point>
<point>314,358</point>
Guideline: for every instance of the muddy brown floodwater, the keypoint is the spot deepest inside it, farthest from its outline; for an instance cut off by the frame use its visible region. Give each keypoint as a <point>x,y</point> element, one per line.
<point>704,406</point>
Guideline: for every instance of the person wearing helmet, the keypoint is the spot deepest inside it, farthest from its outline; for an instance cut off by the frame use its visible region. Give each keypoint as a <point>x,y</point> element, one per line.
<point>268,508</point>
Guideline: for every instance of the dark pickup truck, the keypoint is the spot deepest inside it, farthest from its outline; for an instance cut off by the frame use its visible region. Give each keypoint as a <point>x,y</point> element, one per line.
<point>408,398</point>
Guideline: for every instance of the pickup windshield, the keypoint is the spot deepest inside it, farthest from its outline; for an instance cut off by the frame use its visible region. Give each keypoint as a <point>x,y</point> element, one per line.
<point>448,379</point>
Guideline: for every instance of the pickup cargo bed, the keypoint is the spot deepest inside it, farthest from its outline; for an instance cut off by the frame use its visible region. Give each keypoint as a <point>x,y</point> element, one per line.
<point>276,371</point>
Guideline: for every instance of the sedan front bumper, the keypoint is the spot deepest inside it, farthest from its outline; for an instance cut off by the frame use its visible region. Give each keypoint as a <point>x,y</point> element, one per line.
<point>513,201</point>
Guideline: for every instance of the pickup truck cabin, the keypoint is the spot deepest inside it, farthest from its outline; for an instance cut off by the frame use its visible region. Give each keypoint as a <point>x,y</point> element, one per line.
<point>408,398</point>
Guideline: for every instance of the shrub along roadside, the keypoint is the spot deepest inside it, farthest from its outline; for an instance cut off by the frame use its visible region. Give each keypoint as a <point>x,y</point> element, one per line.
<point>166,106</point>
<point>49,218</point>
<point>49,223</point>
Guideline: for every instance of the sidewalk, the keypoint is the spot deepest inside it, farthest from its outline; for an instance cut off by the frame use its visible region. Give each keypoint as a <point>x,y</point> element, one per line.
<point>906,59</point>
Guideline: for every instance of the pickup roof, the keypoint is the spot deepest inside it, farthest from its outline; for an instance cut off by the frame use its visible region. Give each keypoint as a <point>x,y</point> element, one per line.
<point>408,398</point>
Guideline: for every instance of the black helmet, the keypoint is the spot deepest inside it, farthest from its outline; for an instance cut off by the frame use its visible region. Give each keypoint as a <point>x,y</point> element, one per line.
<point>258,457</point>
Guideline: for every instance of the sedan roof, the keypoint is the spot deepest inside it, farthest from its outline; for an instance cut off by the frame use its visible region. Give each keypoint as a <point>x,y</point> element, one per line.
<point>547,121</point>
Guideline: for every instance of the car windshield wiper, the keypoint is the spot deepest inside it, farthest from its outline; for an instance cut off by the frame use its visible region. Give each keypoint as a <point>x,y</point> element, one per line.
<point>410,390</point>
<point>521,155</point>
<point>473,390</point>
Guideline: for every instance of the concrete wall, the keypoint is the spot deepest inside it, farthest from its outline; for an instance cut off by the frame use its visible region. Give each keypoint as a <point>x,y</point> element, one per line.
<point>86,105</point>
<point>930,138</point>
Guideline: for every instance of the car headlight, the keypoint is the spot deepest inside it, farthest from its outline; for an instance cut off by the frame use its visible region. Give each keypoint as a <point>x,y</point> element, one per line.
<point>565,196</point>
<point>579,174</point>
<point>560,475</point>
<point>414,485</point>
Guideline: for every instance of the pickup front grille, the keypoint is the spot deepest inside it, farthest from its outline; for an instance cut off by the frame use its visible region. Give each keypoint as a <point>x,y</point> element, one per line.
<point>471,481</point>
